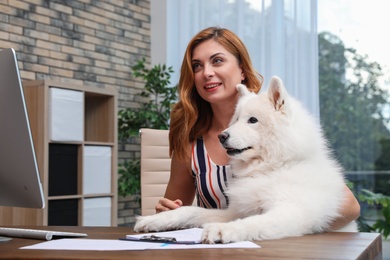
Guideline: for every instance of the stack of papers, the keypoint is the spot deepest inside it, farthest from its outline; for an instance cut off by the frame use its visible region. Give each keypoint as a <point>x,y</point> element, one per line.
<point>185,239</point>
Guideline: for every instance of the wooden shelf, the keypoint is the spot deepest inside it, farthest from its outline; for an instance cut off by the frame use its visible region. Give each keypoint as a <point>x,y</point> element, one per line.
<point>99,126</point>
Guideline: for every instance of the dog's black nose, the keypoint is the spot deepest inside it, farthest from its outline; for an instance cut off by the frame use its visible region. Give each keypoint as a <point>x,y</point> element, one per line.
<point>223,137</point>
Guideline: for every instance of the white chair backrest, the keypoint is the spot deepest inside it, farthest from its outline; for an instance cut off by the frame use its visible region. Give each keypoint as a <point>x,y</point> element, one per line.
<point>155,167</point>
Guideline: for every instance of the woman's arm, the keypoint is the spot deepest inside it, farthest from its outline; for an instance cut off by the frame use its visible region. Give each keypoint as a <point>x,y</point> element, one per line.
<point>350,210</point>
<point>180,189</point>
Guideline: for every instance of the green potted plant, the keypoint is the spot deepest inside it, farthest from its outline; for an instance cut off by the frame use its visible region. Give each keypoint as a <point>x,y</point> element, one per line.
<point>374,201</point>
<point>381,201</point>
<point>154,113</point>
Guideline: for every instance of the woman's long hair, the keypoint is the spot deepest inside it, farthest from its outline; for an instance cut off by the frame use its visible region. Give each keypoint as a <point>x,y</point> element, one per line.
<point>191,117</point>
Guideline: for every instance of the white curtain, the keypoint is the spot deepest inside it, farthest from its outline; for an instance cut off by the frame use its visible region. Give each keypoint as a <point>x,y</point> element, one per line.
<point>281,36</point>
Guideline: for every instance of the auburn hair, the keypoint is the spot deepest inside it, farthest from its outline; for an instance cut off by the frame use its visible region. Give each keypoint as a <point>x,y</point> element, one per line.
<point>191,116</point>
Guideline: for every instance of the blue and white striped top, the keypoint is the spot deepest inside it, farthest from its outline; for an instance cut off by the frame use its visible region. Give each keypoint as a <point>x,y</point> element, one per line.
<point>211,180</point>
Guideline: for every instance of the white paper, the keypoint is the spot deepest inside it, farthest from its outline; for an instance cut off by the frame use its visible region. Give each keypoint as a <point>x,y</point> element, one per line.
<point>120,245</point>
<point>193,234</point>
<point>91,244</point>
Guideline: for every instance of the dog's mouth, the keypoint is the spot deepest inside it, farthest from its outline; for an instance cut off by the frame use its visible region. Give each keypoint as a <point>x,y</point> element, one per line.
<point>232,151</point>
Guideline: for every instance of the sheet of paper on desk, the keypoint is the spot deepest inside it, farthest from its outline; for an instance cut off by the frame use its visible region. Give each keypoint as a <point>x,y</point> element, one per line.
<point>112,244</point>
<point>91,245</point>
<point>118,245</point>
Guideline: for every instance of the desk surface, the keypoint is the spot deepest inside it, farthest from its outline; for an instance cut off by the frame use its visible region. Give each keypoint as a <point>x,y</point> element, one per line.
<point>319,246</point>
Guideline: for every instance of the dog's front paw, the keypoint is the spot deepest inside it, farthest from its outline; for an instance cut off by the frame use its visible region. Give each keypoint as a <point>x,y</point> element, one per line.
<point>168,220</point>
<point>222,233</point>
<point>149,223</point>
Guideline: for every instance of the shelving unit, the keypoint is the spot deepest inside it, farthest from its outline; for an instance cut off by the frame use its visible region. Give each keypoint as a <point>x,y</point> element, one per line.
<point>75,137</point>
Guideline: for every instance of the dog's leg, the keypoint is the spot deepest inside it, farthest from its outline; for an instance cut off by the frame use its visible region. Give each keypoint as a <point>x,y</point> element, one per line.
<point>183,217</point>
<point>282,221</point>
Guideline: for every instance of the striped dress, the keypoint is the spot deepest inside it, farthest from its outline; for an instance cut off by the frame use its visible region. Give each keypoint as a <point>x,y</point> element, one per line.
<point>210,179</point>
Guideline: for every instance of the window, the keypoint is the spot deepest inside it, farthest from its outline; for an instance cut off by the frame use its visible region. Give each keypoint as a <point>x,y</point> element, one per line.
<point>353,75</point>
<point>281,37</point>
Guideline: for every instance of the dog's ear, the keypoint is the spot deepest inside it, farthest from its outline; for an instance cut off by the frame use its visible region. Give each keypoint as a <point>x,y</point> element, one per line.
<point>277,93</point>
<point>242,89</point>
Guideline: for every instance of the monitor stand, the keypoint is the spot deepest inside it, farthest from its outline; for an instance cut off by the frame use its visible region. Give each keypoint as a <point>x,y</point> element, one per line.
<point>5,239</point>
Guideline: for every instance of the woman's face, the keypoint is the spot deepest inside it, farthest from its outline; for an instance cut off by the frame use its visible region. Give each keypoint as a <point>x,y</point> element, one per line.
<point>216,72</point>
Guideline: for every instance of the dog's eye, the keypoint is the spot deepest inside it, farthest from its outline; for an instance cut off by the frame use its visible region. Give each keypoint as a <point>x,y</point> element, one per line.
<point>252,120</point>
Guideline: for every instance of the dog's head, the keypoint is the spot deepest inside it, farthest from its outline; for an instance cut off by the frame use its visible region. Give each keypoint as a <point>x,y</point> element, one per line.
<point>262,128</point>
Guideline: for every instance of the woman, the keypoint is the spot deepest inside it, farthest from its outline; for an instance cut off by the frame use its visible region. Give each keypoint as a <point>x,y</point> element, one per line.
<point>215,61</point>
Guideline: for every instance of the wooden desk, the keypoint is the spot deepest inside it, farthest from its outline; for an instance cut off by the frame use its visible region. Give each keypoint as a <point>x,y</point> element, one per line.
<point>321,246</point>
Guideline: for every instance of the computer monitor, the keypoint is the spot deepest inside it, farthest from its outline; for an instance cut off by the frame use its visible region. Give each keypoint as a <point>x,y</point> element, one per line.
<point>20,184</point>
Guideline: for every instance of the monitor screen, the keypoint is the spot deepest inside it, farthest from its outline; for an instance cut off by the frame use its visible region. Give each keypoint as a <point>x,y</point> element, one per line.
<point>20,184</point>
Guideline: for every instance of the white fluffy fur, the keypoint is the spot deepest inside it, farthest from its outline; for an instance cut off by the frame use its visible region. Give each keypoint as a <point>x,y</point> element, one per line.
<point>285,181</point>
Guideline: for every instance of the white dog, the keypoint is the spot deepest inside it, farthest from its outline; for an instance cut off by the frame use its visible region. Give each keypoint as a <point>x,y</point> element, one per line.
<point>285,181</point>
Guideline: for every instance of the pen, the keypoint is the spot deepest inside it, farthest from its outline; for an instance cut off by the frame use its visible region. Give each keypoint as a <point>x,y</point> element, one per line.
<point>154,238</point>
<point>158,239</point>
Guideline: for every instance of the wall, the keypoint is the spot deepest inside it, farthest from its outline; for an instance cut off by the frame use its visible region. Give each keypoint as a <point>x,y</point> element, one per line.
<point>83,42</point>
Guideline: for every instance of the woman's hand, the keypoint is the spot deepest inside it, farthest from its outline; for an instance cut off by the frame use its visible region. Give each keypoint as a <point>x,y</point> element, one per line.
<point>165,204</point>
<point>180,185</point>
